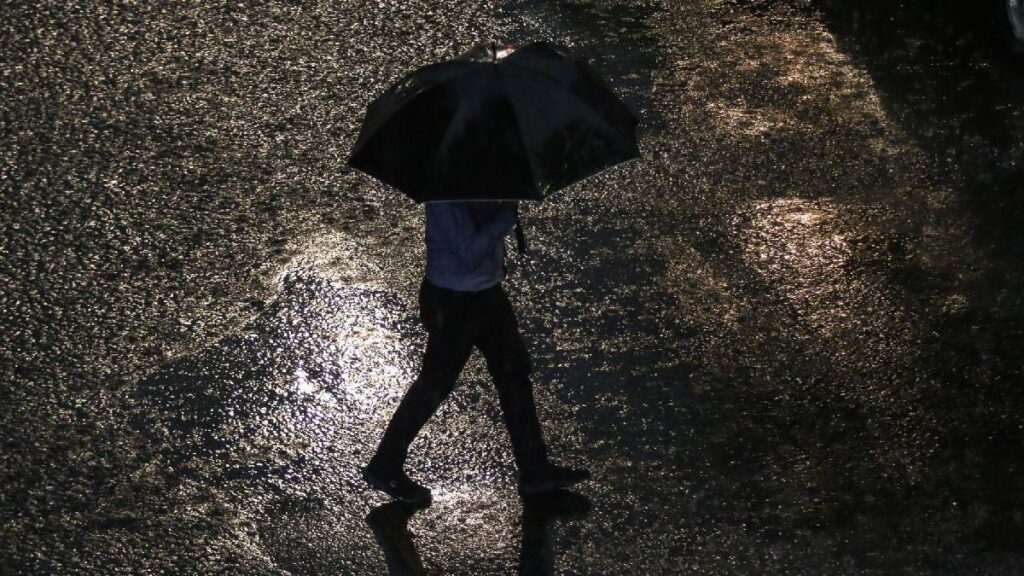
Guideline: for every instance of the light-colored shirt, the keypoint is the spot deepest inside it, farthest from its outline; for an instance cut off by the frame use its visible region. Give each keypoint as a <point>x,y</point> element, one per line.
<point>465,244</point>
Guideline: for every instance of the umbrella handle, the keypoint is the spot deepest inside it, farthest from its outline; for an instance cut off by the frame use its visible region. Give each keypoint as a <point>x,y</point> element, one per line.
<point>520,238</point>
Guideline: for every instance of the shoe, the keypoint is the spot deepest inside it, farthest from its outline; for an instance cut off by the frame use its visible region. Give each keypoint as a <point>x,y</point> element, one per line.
<point>551,477</point>
<point>399,486</point>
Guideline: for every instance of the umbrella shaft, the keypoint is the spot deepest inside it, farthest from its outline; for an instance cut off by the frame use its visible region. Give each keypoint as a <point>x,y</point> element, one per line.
<point>520,238</point>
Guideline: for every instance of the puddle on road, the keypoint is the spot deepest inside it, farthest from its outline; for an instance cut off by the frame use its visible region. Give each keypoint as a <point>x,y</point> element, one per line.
<point>322,362</point>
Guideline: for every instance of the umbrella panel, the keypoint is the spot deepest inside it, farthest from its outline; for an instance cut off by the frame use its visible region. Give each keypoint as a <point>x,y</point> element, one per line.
<point>518,127</point>
<point>457,141</point>
<point>404,91</point>
<point>566,140</point>
<point>578,78</point>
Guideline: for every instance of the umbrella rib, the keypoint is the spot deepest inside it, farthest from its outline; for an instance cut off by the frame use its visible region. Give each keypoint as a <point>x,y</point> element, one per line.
<point>516,115</point>
<point>455,122</point>
<point>584,104</point>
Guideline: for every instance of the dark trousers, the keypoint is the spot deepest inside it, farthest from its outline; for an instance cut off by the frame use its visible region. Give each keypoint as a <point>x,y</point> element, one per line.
<point>455,323</point>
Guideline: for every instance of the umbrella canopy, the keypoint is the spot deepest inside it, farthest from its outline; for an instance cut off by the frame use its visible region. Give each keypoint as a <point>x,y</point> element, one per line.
<point>497,123</point>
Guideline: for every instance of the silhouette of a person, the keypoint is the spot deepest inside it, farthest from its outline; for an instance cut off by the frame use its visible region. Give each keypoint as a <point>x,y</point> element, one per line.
<point>462,306</point>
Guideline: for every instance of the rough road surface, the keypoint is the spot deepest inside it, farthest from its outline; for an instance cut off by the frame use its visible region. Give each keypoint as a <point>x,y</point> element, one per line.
<point>785,341</point>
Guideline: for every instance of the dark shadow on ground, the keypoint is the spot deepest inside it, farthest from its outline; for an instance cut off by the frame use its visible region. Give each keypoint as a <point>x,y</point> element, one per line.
<point>390,525</point>
<point>946,71</point>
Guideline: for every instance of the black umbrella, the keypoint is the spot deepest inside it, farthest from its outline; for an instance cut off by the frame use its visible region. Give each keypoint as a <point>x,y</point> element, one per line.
<point>497,123</point>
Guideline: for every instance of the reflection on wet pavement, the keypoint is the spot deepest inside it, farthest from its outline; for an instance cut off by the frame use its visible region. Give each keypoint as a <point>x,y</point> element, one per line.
<point>304,377</point>
<point>784,341</point>
<point>390,525</point>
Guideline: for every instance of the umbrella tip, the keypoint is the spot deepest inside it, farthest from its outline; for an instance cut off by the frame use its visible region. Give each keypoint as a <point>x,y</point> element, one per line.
<point>502,50</point>
<point>484,51</point>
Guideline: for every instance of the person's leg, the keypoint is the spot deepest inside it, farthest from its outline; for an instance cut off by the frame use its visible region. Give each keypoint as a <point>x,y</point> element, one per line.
<point>451,326</point>
<point>508,362</point>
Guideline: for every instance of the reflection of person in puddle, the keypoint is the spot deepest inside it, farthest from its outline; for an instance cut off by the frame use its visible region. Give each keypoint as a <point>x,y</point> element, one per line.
<point>462,306</point>
<point>390,525</point>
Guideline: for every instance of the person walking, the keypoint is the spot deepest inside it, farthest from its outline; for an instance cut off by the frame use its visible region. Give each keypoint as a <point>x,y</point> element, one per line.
<point>463,305</point>
<point>466,136</point>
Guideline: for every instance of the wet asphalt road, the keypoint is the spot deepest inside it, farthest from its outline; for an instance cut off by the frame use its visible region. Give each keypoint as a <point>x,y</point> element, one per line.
<point>786,341</point>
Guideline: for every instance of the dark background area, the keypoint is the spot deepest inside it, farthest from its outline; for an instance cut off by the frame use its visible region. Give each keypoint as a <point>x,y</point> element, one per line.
<point>953,74</point>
